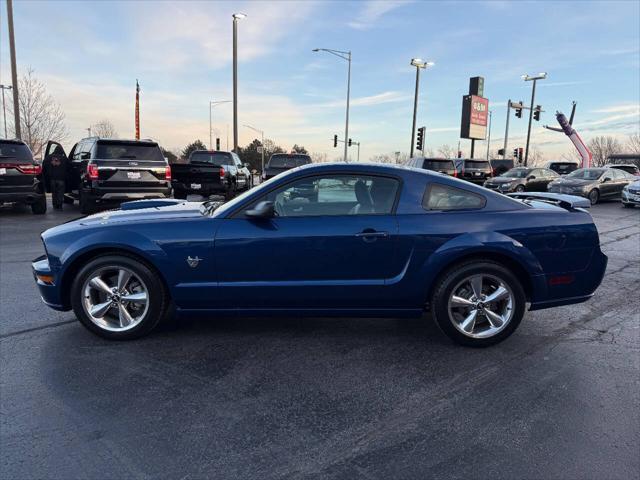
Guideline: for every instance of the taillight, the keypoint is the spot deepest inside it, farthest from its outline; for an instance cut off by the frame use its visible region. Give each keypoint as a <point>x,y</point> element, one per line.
<point>29,169</point>
<point>167,173</point>
<point>92,171</point>
<point>222,173</point>
<point>455,173</point>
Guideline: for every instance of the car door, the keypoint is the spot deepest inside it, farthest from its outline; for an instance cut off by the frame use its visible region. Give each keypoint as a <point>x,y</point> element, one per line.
<point>55,147</point>
<point>331,244</point>
<point>536,183</point>
<point>619,180</point>
<point>608,186</point>
<point>549,176</point>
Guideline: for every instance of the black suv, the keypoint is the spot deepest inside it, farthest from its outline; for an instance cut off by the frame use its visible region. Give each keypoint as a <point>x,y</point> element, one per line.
<point>442,165</point>
<point>473,170</point>
<point>107,170</point>
<point>281,162</point>
<point>21,176</point>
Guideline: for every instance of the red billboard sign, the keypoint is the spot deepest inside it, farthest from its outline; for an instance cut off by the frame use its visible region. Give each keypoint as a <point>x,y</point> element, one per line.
<point>479,110</point>
<point>475,117</point>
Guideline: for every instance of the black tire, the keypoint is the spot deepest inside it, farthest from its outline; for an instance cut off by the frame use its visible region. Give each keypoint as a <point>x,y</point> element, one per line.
<point>628,205</point>
<point>179,194</point>
<point>594,196</point>
<point>157,299</point>
<point>39,207</point>
<point>230,193</point>
<point>86,204</point>
<point>520,188</point>
<point>452,277</point>
<point>68,200</point>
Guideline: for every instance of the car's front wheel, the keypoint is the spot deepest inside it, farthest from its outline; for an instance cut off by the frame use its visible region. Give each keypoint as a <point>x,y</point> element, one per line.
<point>520,188</point>
<point>594,196</point>
<point>478,303</point>
<point>118,297</point>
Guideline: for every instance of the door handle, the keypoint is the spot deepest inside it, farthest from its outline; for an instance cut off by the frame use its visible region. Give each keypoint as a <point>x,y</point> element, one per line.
<point>370,235</point>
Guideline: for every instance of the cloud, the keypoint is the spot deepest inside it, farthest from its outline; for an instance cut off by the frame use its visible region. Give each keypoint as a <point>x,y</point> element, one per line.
<point>622,108</point>
<point>380,98</point>
<point>373,11</point>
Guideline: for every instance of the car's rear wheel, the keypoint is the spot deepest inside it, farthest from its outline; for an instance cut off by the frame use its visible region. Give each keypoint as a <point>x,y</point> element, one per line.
<point>39,207</point>
<point>594,196</point>
<point>118,297</point>
<point>478,303</point>
<point>68,200</point>
<point>179,194</point>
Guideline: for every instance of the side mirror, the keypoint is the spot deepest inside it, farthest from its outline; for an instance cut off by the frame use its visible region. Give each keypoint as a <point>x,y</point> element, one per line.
<point>263,209</point>
<point>531,177</point>
<point>85,156</point>
<point>606,179</point>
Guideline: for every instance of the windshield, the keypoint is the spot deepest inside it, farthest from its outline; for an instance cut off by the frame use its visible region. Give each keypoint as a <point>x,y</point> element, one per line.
<point>288,161</point>
<point>15,152</point>
<point>587,173</point>
<point>216,159</point>
<point>516,173</point>
<point>128,151</point>
<point>230,205</point>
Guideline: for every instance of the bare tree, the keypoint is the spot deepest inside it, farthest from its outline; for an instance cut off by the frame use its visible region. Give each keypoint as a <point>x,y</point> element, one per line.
<point>319,157</point>
<point>536,157</point>
<point>571,155</point>
<point>447,151</point>
<point>105,129</point>
<point>41,117</point>
<point>601,147</point>
<point>633,143</point>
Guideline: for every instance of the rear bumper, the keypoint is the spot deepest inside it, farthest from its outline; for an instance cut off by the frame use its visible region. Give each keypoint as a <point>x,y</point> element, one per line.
<point>119,194</point>
<point>49,291</point>
<point>27,196</point>
<point>581,288</point>
<point>205,188</point>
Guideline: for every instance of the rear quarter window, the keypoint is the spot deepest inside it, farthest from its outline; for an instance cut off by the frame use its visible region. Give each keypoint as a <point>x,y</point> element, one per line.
<point>445,197</point>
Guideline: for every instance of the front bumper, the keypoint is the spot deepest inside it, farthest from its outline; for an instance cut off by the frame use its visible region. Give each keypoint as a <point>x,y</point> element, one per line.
<point>630,198</point>
<point>48,284</point>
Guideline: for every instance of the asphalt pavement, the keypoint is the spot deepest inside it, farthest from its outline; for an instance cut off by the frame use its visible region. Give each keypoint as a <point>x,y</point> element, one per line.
<point>320,398</point>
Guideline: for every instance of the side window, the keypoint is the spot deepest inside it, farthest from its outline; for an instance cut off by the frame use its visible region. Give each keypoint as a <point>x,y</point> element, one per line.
<point>614,173</point>
<point>78,150</point>
<point>443,197</point>
<point>537,173</point>
<point>332,195</point>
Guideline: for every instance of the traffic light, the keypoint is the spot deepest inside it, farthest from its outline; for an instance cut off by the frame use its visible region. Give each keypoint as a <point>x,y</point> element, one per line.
<point>420,139</point>
<point>515,153</point>
<point>459,153</point>
<point>349,142</point>
<point>335,141</point>
<point>520,154</point>
<point>501,152</point>
<point>519,110</point>
<point>217,144</point>
<point>536,113</point>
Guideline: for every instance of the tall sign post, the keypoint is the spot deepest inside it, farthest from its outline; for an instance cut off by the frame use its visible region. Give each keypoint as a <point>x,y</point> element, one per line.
<point>137,110</point>
<point>475,113</point>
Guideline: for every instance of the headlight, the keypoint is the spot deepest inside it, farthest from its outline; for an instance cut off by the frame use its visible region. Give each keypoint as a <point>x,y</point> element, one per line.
<point>626,188</point>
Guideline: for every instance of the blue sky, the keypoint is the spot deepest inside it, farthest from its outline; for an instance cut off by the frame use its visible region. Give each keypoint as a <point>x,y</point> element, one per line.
<point>90,53</point>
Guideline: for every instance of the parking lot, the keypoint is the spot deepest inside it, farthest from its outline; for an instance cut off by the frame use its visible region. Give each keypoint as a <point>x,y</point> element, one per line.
<point>325,398</point>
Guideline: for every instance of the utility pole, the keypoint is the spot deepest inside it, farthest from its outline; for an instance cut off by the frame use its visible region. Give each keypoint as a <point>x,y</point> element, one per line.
<point>236,17</point>
<point>489,138</point>
<point>14,72</point>
<point>506,130</point>
<point>534,79</point>
<point>4,109</point>
<point>418,63</point>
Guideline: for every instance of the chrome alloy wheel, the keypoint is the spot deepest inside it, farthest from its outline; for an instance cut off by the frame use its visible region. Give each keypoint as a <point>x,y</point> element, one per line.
<point>115,299</point>
<point>481,306</point>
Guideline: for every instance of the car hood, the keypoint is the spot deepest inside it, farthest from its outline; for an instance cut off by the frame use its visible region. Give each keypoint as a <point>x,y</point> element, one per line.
<point>180,210</point>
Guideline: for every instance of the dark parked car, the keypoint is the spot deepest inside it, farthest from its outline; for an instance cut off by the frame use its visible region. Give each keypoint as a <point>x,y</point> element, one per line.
<point>442,165</point>
<point>474,171</point>
<point>562,167</point>
<point>522,179</point>
<point>281,162</point>
<point>627,167</point>
<point>631,194</point>
<point>21,176</point>
<point>210,172</point>
<point>376,240</point>
<point>105,170</point>
<point>593,183</point>
<point>501,165</point>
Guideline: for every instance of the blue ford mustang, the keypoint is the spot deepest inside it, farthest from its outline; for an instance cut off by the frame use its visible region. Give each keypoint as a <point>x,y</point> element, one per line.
<point>328,240</point>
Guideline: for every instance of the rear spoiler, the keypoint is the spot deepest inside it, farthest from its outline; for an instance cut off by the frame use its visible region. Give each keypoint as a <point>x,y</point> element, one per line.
<point>568,202</point>
<point>152,203</point>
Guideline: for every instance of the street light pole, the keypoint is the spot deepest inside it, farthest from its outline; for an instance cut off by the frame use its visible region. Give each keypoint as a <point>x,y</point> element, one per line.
<point>345,56</point>
<point>236,17</point>
<point>261,145</point>
<point>506,130</point>
<point>489,138</point>
<point>211,105</point>
<point>418,63</point>
<point>14,72</point>
<point>4,109</point>
<point>534,79</point>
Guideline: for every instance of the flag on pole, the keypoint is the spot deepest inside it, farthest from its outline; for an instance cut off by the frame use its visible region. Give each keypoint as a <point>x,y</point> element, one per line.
<point>137,110</point>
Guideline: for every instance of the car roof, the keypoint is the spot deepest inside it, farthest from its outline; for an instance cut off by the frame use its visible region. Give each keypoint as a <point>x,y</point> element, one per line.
<point>14,141</point>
